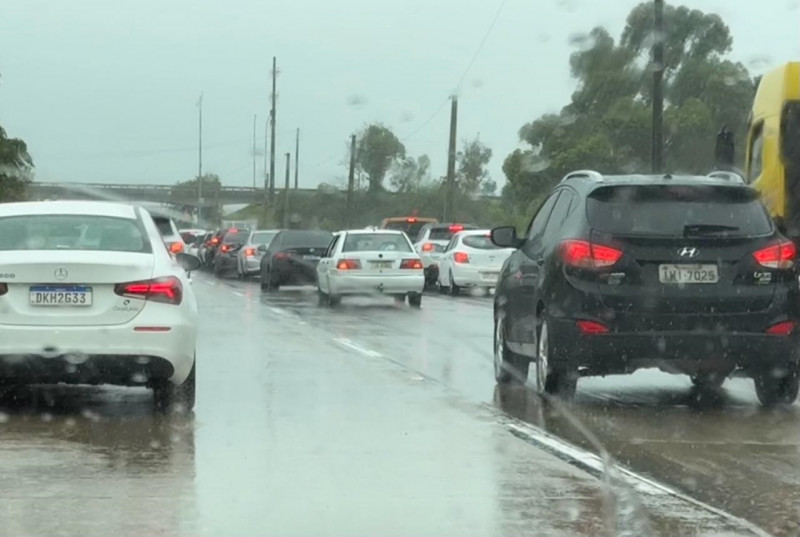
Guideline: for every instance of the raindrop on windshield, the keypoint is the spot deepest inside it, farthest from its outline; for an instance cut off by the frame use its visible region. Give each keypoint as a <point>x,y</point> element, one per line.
<point>581,41</point>
<point>357,101</point>
<point>4,417</point>
<point>759,63</point>
<point>535,163</point>
<point>406,117</point>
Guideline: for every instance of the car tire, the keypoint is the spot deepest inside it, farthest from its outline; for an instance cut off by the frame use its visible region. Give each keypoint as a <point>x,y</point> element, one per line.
<point>268,283</point>
<point>509,367</point>
<point>415,300</point>
<point>778,387</point>
<point>453,288</point>
<point>169,397</point>
<point>264,284</point>
<point>334,300</point>
<point>559,380</point>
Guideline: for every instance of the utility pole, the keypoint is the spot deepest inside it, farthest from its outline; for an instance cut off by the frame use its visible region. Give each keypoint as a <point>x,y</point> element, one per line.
<point>658,94</point>
<point>255,118</point>
<point>451,162</point>
<point>286,193</point>
<point>296,158</point>
<point>272,133</point>
<point>351,178</point>
<point>200,160</point>
<point>266,173</point>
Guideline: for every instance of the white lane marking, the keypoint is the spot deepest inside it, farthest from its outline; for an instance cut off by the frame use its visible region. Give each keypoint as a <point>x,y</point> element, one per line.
<point>357,347</point>
<point>594,465</point>
<point>237,293</point>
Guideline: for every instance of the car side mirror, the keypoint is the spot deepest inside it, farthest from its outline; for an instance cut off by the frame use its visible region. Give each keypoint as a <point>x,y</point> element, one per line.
<point>189,263</point>
<point>262,249</point>
<point>505,237</point>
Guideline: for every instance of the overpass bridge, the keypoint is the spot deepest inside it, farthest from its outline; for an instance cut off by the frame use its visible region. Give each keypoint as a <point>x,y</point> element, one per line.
<point>168,194</point>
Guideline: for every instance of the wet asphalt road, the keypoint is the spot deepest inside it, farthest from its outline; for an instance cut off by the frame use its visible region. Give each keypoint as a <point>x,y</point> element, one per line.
<point>376,419</point>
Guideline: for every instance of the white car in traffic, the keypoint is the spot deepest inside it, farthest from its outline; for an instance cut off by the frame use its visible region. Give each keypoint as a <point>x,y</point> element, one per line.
<point>367,262</point>
<point>471,259</point>
<point>110,305</point>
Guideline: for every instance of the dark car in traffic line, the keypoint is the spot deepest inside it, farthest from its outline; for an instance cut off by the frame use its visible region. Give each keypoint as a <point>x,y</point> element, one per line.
<point>292,258</point>
<point>225,258</point>
<point>616,273</point>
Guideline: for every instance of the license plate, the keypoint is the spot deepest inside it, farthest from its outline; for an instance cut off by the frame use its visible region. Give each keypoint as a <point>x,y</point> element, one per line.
<point>489,276</point>
<point>61,296</point>
<point>380,264</point>
<point>681,274</point>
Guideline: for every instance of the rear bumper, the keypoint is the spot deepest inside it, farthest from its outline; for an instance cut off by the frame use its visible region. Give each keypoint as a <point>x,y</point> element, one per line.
<point>288,273</point>
<point>472,276</point>
<point>97,354</point>
<point>430,259</point>
<point>376,284</point>
<point>674,351</point>
<point>251,265</point>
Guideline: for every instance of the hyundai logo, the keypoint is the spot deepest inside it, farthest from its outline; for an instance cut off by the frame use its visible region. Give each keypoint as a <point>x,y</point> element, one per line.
<point>688,251</point>
<point>61,274</point>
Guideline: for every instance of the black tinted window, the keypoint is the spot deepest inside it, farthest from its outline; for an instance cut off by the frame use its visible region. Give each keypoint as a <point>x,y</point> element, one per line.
<point>72,232</point>
<point>672,210</point>
<point>540,220</point>
<point>164,225</point>
<point>236,236</point>
<point>373,242</point>
<point>306,239</point>
<point>481,242</point>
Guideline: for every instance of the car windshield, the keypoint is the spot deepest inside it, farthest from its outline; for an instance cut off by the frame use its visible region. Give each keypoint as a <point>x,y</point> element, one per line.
<point>373,242</point>
<point>71,232</point>
<point>480,242</point>
<point>514,268</point>
<point>677,210</point>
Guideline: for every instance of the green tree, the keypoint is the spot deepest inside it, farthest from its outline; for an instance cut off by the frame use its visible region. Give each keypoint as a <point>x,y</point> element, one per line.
<point>408,174</point>
<point>471,172</point>
<point>16,168</point>
<point>377,149</point>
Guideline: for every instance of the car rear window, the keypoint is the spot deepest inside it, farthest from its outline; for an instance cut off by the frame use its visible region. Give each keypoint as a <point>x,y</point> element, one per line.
<point>446,233</point>
<point>264,237</point>
<point>164,226</point>
<point>72,232</point>
<point>669,210</point>
<point>376,242</point>
<point>236,236</point>
<point>480,242</point>
<point>306,239</point>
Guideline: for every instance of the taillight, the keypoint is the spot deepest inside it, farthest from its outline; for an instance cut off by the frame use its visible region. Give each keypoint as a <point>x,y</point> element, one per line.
<point>427,247</point>
<point>167,290</point>
<point>348,264</point>
<point>585,254</point>
<point>176,247</point>
<point>3,288</point>
<point>225,248</point>
<point>456,227</point>
<point>781,329</point>
<point>250,252</point>
<point>777,256</point>
<point>592,328</point>
<point>411,264</point>
<point>460,257</point>
<point>214,241</point>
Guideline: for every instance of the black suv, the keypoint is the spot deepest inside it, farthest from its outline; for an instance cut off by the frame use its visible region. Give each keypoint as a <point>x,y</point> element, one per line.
<point>616,273</point>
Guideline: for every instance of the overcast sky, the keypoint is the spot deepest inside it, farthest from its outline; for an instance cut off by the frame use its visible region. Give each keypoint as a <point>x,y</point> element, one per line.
<point>106,90</point>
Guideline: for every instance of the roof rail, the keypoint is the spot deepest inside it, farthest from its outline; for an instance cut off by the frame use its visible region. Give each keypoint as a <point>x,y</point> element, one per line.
<point>727,176</point>
<point>588,174</point>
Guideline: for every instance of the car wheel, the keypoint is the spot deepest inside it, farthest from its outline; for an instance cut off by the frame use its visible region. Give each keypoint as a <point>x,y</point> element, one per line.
<point>264,284</point>
<point>553,379</point>
<point>180,398</point>
<point>268,282</point>
<point>454,289</point>
<point>778,385</point>
<point>415,300</point>
<point>509,367</point>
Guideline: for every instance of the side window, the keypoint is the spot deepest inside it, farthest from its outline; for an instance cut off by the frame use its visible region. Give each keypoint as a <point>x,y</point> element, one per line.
<point>558,216</point>
<point>755,164</point>
<point>332,246</point>
<point>540,220</point>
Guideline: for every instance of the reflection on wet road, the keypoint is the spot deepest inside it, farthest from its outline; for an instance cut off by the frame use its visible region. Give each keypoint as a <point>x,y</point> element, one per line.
<point>377,419</point>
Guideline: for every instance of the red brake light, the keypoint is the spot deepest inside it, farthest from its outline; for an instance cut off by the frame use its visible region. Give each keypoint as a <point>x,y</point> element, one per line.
<point>348,264</point>
<point>233,230</point>
<point>777,256</point>
<point>214,241</point>
<point>250,252</point>
<point>411,220</point>
<point>592,328</point>
<point>411,264</point>
<point>456,227</point>
<point>585,254</point>
<point>176,247</point>
<point>226,248</point>
<point>167,290</point>
<point>781,329</point>
<point>460,257</point>
<point>427,247</point>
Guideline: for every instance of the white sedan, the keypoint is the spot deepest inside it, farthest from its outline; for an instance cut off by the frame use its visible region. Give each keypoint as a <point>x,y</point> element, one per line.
<point>90,294</point>
<point>471,260</point>
<point>366,262</point>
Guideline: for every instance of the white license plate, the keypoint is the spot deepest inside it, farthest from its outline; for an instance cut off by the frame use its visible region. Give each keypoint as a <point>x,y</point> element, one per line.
<point>66,295</point>
<point>682,274</point>
<point>489,276</point>
<point>380,264</point>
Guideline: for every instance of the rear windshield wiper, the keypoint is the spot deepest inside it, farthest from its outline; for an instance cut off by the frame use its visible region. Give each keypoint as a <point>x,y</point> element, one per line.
<point>707,229</point>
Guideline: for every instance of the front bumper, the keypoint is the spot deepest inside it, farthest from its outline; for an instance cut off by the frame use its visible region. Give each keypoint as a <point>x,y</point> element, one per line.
<point>376,284</point>
<point>97,354</point>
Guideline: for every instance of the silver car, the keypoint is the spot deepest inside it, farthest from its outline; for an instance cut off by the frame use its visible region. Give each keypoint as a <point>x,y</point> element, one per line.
<point>249,256</point>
